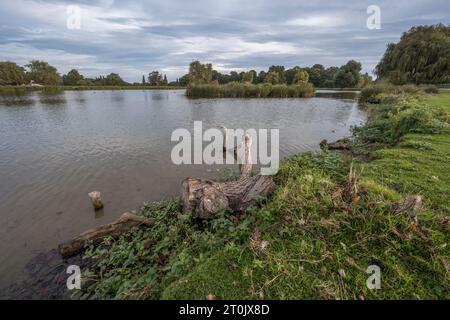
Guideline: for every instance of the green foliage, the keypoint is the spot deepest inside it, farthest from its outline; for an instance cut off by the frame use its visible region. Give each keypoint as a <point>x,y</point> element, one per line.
<point>72,78</point>
<point>248,76</point>
<point>395,117</point>
<point>349,75</point>
<point>421,56</point>
<point>272,77</point>
<point>142,263</point>
<point>247,90</point>
<point>200,73</point>
<point>42,73</point>
<point>157,79</point>
<point>11,73</point>
<point>301,77</point>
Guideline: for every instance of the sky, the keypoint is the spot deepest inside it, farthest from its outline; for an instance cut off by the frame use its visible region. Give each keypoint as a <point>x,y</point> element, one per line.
<point>134,38</point>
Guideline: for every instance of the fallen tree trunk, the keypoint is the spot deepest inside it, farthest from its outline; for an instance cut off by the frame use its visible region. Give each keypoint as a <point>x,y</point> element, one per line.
<point>342,144</point>
<point>206,198</point>
<point>125,223</point>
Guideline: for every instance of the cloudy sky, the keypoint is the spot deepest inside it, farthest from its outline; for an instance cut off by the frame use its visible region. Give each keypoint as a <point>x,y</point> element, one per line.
<point>136,37</point>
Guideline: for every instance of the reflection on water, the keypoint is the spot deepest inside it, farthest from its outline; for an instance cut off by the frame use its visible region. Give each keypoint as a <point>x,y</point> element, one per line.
<point>337,94</point>
<point>59,147</point>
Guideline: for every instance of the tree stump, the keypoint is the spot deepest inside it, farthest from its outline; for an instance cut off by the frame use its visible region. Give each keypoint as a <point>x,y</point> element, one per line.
<point>206,198</point>
<point>96,198</point>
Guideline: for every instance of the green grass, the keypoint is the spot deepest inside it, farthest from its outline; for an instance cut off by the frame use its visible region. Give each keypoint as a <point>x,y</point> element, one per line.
<point>316,235</point>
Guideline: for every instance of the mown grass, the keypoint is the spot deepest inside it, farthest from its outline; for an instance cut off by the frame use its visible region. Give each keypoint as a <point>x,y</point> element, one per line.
<point>315,237</point>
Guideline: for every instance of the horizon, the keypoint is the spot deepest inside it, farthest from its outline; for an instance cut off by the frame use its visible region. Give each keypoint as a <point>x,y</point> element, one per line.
<point>134,38</point>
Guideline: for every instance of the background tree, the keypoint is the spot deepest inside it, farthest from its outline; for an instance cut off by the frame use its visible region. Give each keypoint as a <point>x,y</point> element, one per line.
<point>272,77</point>
<point>42,73</point>
<point>113,79</point>
<point>328,77</point>
<point>290,74</point>
<point>365,80</point>
<point>261,77</point>
<point>247,77</point>
<point>200,73</point>
<point>316,74</point>
<point>301,77</point>
<point>354,67</point>
<point>344,79</point>
<point>11,73</point>
<point>280,71</point>
<point>143,80</point>
<point>72,78</point>
<point>155,78</point>
<point>184,80</point>
<point>421,56</point>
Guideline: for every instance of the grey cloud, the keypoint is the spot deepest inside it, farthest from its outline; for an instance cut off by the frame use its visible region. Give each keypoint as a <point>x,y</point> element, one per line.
<point>135,37</point>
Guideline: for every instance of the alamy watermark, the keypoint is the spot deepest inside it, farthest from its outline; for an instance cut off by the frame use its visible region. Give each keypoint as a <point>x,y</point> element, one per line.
<point>74,280</point>
<point>73,17</point>
<point>374,280</point>
<point>374,20</point>
<point>225,146</point>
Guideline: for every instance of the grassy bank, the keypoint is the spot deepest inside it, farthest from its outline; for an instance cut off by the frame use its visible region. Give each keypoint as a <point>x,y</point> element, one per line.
<point>329,219</point>
<point>248,90</point>
<point>25,89</point>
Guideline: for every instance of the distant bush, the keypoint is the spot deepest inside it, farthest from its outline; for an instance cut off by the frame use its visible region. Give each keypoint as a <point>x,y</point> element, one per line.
<point>248,90</point>
<point>386,92</point>
<point>408,114</point>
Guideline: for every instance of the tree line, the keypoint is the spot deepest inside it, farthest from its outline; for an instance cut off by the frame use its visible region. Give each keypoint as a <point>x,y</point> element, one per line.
<point>421,56</point>
<point>346,76</point>
<point>42,73</point>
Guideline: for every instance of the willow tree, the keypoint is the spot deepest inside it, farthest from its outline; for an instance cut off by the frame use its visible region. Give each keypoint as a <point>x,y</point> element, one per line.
<point>43,73</point>
<point>11,73</point>
<point>421,56</point>
<point>200,73</point>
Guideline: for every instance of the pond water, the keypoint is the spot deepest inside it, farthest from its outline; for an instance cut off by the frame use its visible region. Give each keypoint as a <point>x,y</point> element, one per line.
<point>55,148</point>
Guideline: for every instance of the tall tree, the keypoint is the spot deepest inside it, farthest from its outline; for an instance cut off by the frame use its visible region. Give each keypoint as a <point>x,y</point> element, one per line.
<point>272,77</point>
<point>247,77</point>
<point>114,79</point>
<point>316,73</point>
<point>200,73</point>
<point>280,71</point>
<point>301,77</point>
<point>43,73</point>
<point>155,78</point>
<point>421,56</point>
<point>72,78</point>
<point>11,73</point>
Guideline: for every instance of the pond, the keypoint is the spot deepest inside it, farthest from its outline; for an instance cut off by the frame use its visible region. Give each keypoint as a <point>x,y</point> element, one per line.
<point>56,148</point>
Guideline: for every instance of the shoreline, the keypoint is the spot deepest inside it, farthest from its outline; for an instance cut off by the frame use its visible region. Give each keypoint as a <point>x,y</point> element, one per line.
<point>383,180</point>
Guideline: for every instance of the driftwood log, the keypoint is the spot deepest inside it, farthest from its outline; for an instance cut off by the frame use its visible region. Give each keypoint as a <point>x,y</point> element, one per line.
<point>341,144</point>
<point>206,198</point>
<point>125,223</point>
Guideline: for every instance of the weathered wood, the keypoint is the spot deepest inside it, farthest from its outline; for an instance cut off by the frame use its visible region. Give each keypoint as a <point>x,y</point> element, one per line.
<point>96,198</point>
<point>206,198</point>
<point>342,144</point>
<point>413,203</point>
<point>125,223</point>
